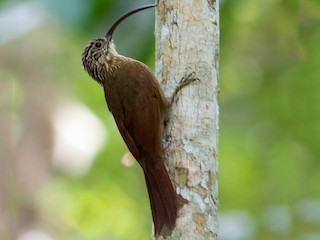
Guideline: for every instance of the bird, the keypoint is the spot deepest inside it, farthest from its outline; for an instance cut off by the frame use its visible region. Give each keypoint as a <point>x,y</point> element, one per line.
<point>138,104</point>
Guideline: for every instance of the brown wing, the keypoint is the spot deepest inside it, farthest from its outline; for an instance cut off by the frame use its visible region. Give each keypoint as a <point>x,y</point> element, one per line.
<point>135,100</point>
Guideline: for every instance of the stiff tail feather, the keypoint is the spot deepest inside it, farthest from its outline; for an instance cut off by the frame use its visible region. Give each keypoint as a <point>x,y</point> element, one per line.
<point>162,196</point>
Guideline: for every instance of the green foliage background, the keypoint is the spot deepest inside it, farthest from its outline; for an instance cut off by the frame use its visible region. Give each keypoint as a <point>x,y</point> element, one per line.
<point>269,116</point>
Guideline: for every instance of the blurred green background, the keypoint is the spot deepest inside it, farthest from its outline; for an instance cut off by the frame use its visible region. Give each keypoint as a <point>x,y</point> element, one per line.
<point>61,175</point>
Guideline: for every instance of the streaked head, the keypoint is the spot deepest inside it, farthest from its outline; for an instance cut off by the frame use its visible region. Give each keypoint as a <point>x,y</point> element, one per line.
<point>96,57</point>
<point>99,52</point>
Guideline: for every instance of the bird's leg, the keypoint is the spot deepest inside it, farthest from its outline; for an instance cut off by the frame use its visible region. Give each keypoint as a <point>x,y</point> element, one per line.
<point>185,81</point>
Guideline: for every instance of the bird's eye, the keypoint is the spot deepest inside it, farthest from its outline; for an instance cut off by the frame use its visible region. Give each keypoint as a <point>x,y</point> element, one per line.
<point>98,44</point>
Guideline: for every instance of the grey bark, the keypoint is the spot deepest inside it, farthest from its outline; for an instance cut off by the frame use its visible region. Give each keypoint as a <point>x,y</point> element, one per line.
<point>187,41</point>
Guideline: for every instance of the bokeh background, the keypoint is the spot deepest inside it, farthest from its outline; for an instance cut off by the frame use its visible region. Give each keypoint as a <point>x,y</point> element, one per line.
<point>61,174</point>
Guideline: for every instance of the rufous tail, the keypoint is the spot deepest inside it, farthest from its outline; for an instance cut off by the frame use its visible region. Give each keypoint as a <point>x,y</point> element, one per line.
<point>162,196</point>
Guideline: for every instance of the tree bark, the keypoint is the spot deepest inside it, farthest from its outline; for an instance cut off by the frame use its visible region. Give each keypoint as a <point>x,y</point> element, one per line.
<point>187,42</point>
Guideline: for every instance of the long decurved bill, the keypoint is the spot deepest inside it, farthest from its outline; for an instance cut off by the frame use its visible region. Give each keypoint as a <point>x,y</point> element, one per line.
<point>111,30</point>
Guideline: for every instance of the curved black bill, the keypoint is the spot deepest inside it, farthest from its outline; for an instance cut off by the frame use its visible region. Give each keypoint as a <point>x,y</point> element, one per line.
<point>114,26</point>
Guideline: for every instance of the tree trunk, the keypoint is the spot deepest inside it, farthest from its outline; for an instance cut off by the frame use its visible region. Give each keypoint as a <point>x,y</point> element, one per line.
<point>187,36</point>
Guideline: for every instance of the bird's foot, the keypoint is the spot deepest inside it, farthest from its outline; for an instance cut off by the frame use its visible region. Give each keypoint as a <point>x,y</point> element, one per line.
<point>185,81</point>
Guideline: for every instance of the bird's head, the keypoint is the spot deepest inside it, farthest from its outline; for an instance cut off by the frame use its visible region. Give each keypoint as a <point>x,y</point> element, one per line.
<point>98,54</point>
